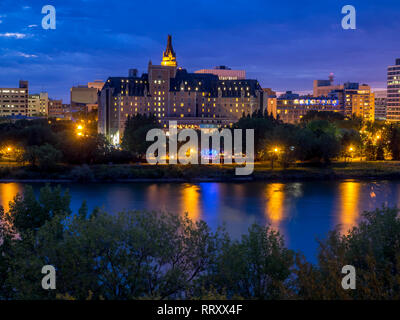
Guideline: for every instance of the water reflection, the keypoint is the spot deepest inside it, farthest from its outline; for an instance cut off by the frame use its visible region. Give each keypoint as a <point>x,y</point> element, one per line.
<point>301,212</point>
<point>349,198</point>
<point>275,209</point>
<point>190,201</point>
<point>7,193</point>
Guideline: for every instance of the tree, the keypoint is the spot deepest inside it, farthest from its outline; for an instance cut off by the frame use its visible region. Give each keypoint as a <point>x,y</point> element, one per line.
<point>45,156</point>
<point>319,141</point>
<point>28,213</point>
<point>135,254</point>
<point>393,136</point>
<point>373,248</point>
<point>134,138</point>
<point>263,127</point>
<point>322,115</point>
<point>257,267</point>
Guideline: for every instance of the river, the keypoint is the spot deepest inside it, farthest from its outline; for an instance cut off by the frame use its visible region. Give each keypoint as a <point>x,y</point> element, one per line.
<point>301,211</point>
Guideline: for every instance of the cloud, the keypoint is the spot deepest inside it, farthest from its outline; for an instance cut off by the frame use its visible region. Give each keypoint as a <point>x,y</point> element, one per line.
<point>13,35</point>
<point>26,55</point>
<point>32,26</point>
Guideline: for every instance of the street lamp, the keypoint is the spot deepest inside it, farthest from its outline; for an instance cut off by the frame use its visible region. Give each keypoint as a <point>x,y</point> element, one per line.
<point>275,152</point>
<point>79,130</point>
<point>351,150</point>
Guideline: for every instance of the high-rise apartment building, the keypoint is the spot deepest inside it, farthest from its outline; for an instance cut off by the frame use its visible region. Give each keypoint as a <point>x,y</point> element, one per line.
<point>363,105</point>
<point>393,92</point>
<point>14,101</point>
<point>380,104</point>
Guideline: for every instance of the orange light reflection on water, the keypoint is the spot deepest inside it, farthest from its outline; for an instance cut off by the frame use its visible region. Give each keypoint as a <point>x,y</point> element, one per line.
<point>275,205</point>
<point>190,201</point>
<point>349,198</point>
<point>7,193</point>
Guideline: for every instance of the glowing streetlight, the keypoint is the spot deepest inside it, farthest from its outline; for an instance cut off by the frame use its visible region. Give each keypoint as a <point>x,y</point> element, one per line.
<point>275,152</point>
<point>351,149</point>
<point>79,130</point>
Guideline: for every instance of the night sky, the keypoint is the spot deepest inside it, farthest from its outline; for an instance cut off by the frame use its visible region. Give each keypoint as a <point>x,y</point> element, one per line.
<point>283,44</point>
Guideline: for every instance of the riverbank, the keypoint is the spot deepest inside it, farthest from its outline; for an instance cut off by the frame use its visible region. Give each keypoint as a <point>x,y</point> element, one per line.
<point>379,170</point>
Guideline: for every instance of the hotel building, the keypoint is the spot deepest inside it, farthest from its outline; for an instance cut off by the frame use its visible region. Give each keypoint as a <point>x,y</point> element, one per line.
<point>14,101</point>
<point>393,92</point>
<point>170,93</point>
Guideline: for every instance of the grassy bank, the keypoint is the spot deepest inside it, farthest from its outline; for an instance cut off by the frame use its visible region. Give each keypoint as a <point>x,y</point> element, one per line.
<point>262,172</point>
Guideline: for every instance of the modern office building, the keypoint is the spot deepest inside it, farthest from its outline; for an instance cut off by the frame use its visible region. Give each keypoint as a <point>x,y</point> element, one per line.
<point>170,93</point>
<point>97,84</point>
<point>324,87</point>
<point>56,109</point>
<point>393,92</point>
<point>291,107</point>
<point>84,97</point>
<point>225,73</point>
<point>380,104</point>
<point>38,104</point>
<point>14,101</point>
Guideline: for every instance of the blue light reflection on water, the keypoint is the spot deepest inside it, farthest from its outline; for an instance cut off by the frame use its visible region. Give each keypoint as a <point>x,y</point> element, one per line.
<point>301,211</point>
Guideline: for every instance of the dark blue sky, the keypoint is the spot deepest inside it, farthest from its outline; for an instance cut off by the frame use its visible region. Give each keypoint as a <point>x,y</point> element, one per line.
<point>284,44</point>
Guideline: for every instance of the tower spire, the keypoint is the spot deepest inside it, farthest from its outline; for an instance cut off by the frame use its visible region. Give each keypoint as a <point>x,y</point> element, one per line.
<point>169,56</point>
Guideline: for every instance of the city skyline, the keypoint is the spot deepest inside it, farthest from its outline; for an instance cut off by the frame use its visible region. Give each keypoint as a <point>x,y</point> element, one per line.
<point>284,46</point>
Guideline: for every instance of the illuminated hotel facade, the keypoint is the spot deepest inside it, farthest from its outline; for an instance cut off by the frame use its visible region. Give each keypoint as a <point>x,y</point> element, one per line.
<point>170,93</point>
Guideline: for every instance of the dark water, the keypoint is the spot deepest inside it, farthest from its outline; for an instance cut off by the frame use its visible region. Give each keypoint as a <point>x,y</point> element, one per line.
<point>302,211</point>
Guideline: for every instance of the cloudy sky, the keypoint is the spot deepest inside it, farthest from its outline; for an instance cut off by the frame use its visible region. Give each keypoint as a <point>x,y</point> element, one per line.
<point>284,44</point>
